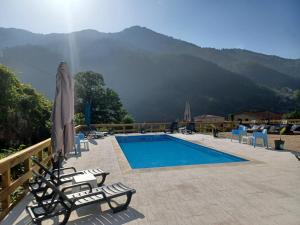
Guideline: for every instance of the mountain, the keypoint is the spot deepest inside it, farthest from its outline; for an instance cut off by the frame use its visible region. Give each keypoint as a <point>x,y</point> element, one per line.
<point>155,74</point>
<point>10,37</point>
<point>151,41</point>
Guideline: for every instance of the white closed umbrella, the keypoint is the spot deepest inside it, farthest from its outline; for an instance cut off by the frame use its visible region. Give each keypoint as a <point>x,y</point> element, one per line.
<point>187,112</point>
<point>62,134</point>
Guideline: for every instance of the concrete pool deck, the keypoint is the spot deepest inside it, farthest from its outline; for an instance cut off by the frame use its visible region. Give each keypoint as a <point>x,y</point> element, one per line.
<point>265,190</point>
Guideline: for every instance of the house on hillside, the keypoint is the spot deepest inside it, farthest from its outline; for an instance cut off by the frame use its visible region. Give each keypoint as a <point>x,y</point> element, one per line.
<point>249,116</point>
<point>209,119</point>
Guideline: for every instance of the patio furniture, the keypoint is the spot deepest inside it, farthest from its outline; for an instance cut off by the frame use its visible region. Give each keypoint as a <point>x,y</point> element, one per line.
<point>173,127</point>
<point>57,178</point>
<point>182,130</point>
<point>83,141</point>
<point>274,129</point>
<point>77,146</point>
<point>190,128</point>
<point>241,131</point>
<point>288,128</point>
<point>261,135</point>
<point>100,134</point>
<point>84,178</point>
<point>295,129</point>
<point>254,128</point>
<point>247,140</point>
<point>97,134</point>
<point>63,204</point>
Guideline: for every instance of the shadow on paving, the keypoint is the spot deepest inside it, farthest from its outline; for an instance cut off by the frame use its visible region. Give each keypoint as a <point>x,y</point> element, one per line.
<point>109,218</point>
<point>93,142</point>
<point>91,214</point>
<point>94,216</point>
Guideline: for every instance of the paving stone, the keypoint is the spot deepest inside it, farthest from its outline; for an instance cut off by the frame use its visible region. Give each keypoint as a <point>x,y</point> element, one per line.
<point>264,191</point>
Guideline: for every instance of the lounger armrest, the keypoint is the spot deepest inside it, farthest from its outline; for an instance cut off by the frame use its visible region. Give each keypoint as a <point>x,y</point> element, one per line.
<point>67,168</point>
<point>70,174</point>
<point>77,185</point>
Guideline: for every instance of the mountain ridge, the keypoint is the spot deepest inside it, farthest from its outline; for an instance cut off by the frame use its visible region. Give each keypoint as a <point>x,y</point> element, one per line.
<point>155,74</point>
<point>137,27</point>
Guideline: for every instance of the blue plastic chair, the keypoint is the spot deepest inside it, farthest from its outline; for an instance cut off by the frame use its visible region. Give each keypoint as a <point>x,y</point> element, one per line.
<point>77,144</point>
<point>81,136</point>
<point>261,135</point>
<point>83,140</point>
<point>241,131</point>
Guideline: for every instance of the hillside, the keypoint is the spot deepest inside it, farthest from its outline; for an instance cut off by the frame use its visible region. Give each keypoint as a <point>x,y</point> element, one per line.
<point>155,74</point>
<point>148,40</point>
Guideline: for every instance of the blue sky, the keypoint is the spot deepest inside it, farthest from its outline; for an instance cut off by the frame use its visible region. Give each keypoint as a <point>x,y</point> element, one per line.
<point>267,26</point>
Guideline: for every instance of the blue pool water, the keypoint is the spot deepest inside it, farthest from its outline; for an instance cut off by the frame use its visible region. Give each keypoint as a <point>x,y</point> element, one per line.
<point>149,151</point>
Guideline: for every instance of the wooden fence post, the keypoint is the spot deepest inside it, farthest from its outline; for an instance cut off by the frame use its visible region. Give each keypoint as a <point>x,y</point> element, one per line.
<point>27,165</point>
<point>40,155</point>
<point>6,180</point>
<point>49,153</point>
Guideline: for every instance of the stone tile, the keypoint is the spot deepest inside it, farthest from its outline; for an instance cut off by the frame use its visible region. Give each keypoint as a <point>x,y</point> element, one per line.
<point>264,191</point>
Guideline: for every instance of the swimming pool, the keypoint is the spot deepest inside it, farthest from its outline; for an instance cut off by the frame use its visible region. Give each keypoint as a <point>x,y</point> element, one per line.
<point>150,151</point>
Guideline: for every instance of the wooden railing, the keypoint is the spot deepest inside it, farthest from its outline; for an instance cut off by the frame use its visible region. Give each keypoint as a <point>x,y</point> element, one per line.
<point>11,183</point>
<point>283,121</point>
<point>15,185</point>
<point>203,127</point>
<point>160,127</point>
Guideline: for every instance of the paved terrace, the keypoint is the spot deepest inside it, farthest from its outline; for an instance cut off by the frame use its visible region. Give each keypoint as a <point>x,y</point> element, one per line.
<point>263,191</point>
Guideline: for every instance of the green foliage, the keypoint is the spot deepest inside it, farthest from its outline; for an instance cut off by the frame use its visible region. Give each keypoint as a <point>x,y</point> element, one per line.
<point>8,87</point>
<point>297,95</point>
<point>282,130</point>
<point>292,115</point>
<point>10,150</point>
<point>128,119</point>
<point>24,113</point>
<point>19,192</point>
<point>102,129</point>
<point>79,118</point>
<point>106,106</point>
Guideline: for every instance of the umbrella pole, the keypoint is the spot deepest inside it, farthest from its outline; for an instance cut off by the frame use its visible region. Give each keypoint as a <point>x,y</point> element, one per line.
<point>57,161</point>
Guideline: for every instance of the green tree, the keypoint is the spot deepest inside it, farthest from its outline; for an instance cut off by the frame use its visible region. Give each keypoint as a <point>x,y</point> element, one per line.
<point>24,113</point>
<point>106,106</point>
<point>292,115</point>
<point>8,87</point>
<point>128,119</point>
<point>78,118</point>
<point>297,95</point>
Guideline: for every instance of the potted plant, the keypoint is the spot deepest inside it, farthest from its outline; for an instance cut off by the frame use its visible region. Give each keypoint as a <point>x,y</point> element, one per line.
<point>279,144</point>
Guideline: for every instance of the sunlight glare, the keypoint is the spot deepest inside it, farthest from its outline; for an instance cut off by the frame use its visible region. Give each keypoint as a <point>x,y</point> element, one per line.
<point>66,7</point>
